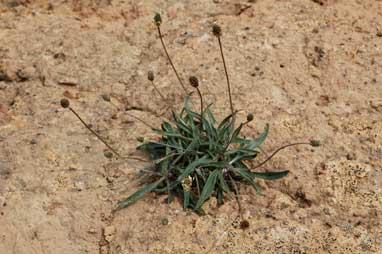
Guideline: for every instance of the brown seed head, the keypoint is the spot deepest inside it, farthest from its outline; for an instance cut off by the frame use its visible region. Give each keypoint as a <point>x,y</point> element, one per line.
<point>315,143</point>
<point>108,154</point>
<point>244,224</point>
<point>65,103</point>
<point>150,75</point>
<point>216,30</point>
<point>194,81</point>
<point>157,19</point>
<point>249,117</point>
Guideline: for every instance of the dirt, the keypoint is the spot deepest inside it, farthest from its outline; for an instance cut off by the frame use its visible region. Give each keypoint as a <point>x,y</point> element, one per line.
<point>309,68</point>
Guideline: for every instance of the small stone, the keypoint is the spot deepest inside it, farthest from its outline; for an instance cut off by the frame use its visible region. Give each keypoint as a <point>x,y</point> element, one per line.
<point>79,185</point>
<point>2,201</point>
<point>92,230</point>
<point>164,221</point>
<point>351,156</point>
<point>105,97</point>
<point>109,233</point>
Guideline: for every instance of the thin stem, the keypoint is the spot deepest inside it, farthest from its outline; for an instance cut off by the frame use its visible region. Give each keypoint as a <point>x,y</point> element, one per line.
<point>157,90</point>
<point>226,74</point>
<point>133,116</point>
<point>237,196</point>
<point>168,189</point>
<point>162,96</point>
<point>169,59</point>
<point>278,150</point>
<point>201,101</point>
<point>103,141</point>
<point>95,133</point>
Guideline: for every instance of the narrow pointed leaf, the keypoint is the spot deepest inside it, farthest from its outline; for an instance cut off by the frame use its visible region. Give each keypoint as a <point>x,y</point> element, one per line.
<point>208,188</point>
<point>186,199</point>
<point>140,193</point>
<point>257,142</point>
<point>247,176</point>
<point>270,175</point>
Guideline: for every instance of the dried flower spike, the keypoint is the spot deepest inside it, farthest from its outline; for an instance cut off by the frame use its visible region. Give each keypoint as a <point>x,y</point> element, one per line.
<point>157,19</point>
<point>150,75</point>
<point>244,224</point>
<point>315,143</point>
<point>249,117</point>
<point>65,103</point>
<point>108,154</point>
<point>194,81</point>
<point>216,30</point>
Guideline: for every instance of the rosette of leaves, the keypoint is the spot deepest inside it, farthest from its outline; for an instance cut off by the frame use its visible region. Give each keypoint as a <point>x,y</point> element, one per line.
<point>197,158</point>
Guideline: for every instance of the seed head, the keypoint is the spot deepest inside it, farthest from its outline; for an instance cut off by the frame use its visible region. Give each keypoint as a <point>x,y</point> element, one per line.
<point>249,117</point>
<point>157,19</point>
<point>216,30</point>
<point>65,103</point>
<point>108,154</point>
<point>315,143</point>
<point>150,75</point>
<point>194,81</point>
<point>244,224</point>
<point>105,97</point>
<point>187,183</point>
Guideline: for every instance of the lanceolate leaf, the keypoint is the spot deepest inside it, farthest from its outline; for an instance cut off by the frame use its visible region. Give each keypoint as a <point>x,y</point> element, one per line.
<point>186,199</point>
<point>140,193</point>
<point>270,175</point>
<point>247,176</point>
<point>257,142</point>
<point>208,188</point>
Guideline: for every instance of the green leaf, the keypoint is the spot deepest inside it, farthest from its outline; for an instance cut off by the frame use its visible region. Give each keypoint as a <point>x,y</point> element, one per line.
<point>208,188</point>
<point>219,196</point>
<point>155,150</point>
<point>210,115</point>
<point>257,142</point>
<point>247,176</point>
<point>140,193</point>
<point>226,121</point>
<point>237,132</point>
<point>270,175</point>
<point>186,199</point>
<point>223,184</point>
<point>171,134</point>
<point>187,171</point>
<point>240,154</point>
<point>191,167</point>
<point>181,124</point>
